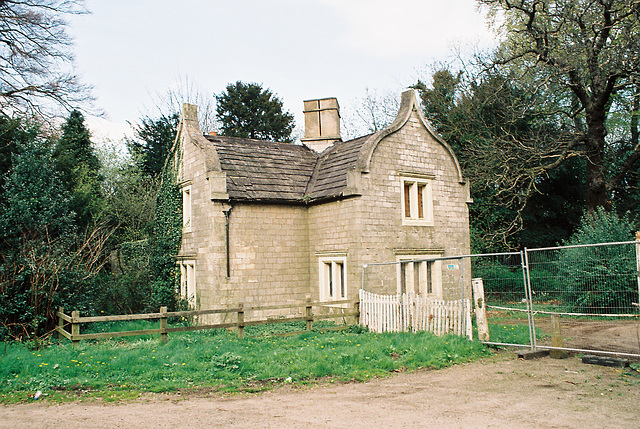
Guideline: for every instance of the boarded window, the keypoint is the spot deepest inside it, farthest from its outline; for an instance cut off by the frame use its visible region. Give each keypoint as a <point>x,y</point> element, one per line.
<point>188,280</point>
<point>421,188</point>
<point>186,208</point>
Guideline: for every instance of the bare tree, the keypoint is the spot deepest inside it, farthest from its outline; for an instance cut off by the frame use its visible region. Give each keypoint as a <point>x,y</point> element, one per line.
<point>36,60</point>
<point>185,91</point>
<point>373,112</point>
<point>589,50</point>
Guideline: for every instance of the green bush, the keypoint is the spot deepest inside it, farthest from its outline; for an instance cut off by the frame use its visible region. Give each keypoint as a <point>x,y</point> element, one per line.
<point>600,279</point>
<point>45,261</point>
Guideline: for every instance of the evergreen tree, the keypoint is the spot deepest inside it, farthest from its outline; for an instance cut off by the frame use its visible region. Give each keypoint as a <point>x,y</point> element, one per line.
<point>246,110</point>
<point>79,168</point>
<point>35,221</point>
<point>13,133</point>
<point>154,138</point>
<point>609,271</point>
<point>35,201</point>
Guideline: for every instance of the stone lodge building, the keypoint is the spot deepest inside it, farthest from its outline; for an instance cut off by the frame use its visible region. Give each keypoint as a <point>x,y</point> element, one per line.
<point>271,223</point>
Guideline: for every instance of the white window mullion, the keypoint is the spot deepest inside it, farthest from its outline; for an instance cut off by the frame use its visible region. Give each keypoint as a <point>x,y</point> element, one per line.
<point>409,277</point>
<point>422,276</point>
<point>414,200</point>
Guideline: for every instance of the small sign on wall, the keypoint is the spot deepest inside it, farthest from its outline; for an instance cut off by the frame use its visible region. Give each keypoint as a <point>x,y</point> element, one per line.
<point>452,267</point>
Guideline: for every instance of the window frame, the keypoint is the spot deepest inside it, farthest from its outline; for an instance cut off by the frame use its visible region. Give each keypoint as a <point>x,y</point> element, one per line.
<point>188,290</point>
<point>330,269</point>
<point>416,199</point>
<point>187,208</point>
<point>428,275</point>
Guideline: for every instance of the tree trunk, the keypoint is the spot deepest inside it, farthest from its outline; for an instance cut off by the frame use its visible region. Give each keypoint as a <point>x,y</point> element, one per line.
<point>597,194</point>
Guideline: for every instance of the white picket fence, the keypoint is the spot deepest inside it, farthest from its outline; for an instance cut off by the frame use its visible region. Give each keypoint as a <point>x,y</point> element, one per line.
<point>409,312</point>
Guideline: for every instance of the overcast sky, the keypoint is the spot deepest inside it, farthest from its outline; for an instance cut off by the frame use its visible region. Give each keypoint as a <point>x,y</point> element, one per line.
<point>135,50</point>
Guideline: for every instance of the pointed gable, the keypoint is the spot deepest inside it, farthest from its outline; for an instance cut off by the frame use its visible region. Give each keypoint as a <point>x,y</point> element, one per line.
<point>256,170</point>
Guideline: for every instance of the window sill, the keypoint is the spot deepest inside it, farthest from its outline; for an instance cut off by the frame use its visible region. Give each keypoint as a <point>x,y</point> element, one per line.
<point>417,222</point>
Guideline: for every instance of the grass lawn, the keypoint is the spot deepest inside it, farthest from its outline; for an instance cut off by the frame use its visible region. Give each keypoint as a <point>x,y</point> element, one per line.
<point>122,369</point>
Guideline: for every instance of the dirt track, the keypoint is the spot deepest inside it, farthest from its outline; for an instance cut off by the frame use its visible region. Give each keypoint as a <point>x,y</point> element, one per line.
<point>499,392</point>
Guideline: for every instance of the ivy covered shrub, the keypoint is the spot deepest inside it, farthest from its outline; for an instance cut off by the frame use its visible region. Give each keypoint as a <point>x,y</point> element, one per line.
<point>165,241</point>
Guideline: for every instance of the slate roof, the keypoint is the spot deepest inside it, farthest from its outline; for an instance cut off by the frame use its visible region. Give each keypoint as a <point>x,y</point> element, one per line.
<point>330,176</point>
<point>258,170</point>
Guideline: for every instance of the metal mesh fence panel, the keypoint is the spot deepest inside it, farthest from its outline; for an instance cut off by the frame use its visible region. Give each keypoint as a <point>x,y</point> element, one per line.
<point>502,277</point>
<point>590,291</point>
<point>578,298</point>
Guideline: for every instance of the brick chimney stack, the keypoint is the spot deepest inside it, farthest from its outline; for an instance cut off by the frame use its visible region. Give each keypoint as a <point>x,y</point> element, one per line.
<point>321,123</point>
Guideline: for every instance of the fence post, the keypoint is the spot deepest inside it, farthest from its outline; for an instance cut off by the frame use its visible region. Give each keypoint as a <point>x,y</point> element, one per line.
<point>638,261</point>
<point>556,339</point>
<point>309,314</point>
<point>241,321</point>
<point>524,257</point>
<point>163,325</point>
<point>60,323</point>
<point>481,309</point>
<point>75,326</point>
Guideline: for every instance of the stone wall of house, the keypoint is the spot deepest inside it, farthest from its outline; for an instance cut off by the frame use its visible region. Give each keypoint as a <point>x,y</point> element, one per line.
<point>204,241</point>
<point>269,263</point>
<point>268,252</point>
<point>412,149</point>
<point>335,230</point>
<point>369,228</point>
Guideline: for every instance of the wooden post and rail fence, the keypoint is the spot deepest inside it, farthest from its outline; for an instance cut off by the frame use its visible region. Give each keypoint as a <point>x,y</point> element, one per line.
<point>349,310</point>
